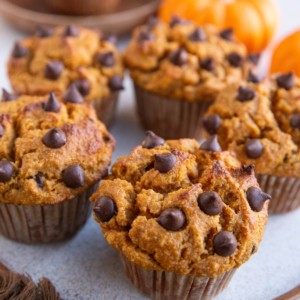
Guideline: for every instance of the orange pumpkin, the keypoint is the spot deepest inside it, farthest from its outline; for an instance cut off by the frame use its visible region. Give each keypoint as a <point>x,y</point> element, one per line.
<point>286,55</point>
<point>254,21</point>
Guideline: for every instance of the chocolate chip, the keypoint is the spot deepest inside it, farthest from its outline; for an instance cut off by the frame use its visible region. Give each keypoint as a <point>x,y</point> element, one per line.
<point>110,38</point>
<point>176,21</point>
<point>252,77</point>
<point>286,81</point>
<point>227,34</point>
<point>198,35</point>
<point>1,131</point>
<point>19,51</point>
<point>145,36</point>
<point>164,162</point>
<point>152,140</point>
<point>83,86</point>
<point>208,64</point>
<point>172,219</point>
<point>39,180</point>
<point>105,208</point>
<point>6,170</point>
<point>6,96</point>
<point>53,70</point>
<point>106,138</point>
<point>235,59</point>
<point>253,249</point>
<point>211,144</point>
<point>54,138</point>
<point>116,83</point>
<point>254,58</point>
<point>178,57</point>
<point>71,30</point>
<point>248,169</point>
<point>52,104</point>
<point>254,148</point>
<point>245,94</point>
<point>256,198</point>
<point>44,31</point>
<point>210,203</point>
<point>152,22</point>
<point>295,121</point>
<point>224,243</point>
<point>211,123</point>
<point>106,59</point>
<point>72,95</point>
<point>73,176</point>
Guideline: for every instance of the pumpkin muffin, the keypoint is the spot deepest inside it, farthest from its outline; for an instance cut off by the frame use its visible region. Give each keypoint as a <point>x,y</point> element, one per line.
<point>182,215</point>
<point>261,125</point>
<point>69,60</point>
<point>178,69</point>
<point>52,155</point>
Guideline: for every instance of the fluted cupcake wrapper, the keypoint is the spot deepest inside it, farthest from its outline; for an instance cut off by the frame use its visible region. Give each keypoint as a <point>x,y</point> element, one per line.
<point>172,286</point>
<point>171,119</point>
<point>285,192</point>
<point>45,223</point>
<point>106,108</point>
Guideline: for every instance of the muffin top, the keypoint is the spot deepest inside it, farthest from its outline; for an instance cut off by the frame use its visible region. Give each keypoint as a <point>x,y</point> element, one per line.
<point>55,60</point>
<point>175,206</point>
<point>260,123</point>
<point>51,150</point>
<point>185,62</point>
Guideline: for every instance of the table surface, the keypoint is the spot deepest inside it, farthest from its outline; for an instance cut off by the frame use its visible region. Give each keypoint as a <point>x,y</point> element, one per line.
<point>87,268</point>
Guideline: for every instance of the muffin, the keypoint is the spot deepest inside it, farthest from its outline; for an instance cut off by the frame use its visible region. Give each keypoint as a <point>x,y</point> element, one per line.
<point>52,155</point>
<point>69,60</point>
<point>261,125</point>
<point>181,216</point>
<point>178,70</point>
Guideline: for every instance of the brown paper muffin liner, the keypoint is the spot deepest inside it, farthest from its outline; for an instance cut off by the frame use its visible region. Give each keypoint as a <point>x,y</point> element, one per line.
<point>106,108</point>
<point>171,119</point>
<point>285,192</point>
<point>45,223</point>
<point>171,286</point>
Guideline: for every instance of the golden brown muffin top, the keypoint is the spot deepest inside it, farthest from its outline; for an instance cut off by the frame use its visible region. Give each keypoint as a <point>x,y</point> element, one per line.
<point>175,206</point>
<point>260,123</point>
<point>56,59</point>
<point>185,62</point>
<point>51,150</point>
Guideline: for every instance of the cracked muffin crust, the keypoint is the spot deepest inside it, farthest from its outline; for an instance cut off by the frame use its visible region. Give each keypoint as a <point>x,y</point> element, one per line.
<point>173,206</point>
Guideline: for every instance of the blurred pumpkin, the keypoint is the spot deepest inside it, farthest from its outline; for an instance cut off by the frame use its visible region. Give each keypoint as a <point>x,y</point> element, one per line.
<point>253,21</point>
<point>285,57</point>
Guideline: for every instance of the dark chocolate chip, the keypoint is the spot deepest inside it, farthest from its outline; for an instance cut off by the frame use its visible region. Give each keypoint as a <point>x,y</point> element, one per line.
<point>39,180</point>
<point>295,121</point>
<point>211,123</point>
<point>164,162</point>
<point>1,131</point>
<point>211,144</point>
<point>208,64</point>
<point>6,170</point>
<point>73,176</point>
<point>44,31</point>
<point>198,35</point>
<point>245,94</point>
<point>256,198</point>
<point>6,96</point>
<point>52,104</point>
<point>252,77</point>
<point>176,21</point>
<point>235,59</point>
<point>106,138</point>
<point>110,38</point>
<point>248,169</point>
<point>179,57</point>
<point>172,219</point>
<point>116,83</point>
<point>71,30</point>
<point>105,208</point>
<point>145,36</point>
<point>227,34</point>
<point>106,59</point>
<point>253,249</point>
<point>210,203</point>
<point>72,95</point>
<point>54,138</point>
<point>53,69</point>
<point>286,81</point>
<point>83,86</point>
<point>224,243</point>
<point>254,148</point>
<point>254,58</point>
<point>152,140</point>
<point>19,51</point>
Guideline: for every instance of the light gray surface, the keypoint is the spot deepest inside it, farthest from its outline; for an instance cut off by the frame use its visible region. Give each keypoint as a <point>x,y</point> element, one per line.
<point>87,268</point>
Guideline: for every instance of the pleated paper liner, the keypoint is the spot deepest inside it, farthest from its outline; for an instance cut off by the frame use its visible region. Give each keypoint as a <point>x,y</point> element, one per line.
<point>168,118</point>
<point>46,223</point>
<point>171,286</point>
<point>285,192</point>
